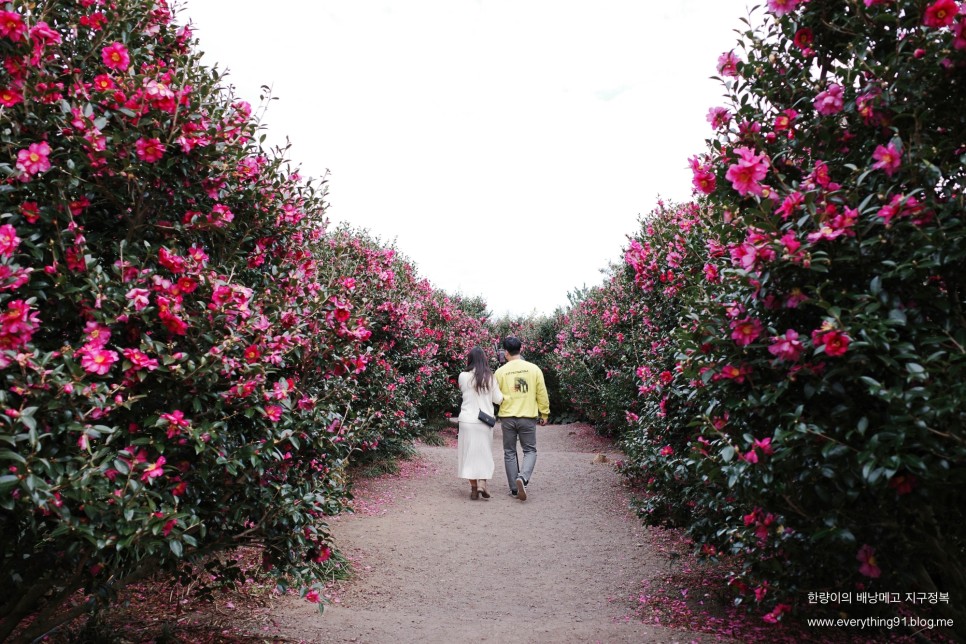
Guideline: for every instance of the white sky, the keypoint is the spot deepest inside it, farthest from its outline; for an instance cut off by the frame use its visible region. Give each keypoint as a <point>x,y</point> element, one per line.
<point>507,146</point>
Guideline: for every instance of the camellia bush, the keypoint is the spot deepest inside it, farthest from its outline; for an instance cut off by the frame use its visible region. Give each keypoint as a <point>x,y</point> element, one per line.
<point>187,354</point>
<point>812,420</point>
<point>419,343</point>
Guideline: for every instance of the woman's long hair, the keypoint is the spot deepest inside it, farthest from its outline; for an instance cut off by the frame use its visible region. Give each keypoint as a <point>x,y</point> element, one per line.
<point>477,364</point>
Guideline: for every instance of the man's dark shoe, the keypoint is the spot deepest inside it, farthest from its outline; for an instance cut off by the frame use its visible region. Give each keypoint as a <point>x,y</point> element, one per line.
<point>521,489</point>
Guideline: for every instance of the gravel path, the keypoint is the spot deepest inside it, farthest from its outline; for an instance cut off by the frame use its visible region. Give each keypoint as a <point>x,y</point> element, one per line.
<point>434,566</point>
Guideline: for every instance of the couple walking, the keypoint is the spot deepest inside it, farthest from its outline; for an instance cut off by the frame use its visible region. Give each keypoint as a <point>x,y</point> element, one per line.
<point>520,391</point>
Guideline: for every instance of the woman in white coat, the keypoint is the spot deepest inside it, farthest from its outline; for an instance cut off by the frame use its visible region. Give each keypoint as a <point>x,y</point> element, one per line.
<point>480,393</point>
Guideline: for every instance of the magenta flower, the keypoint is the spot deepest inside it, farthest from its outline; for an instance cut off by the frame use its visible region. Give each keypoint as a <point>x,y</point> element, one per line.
<point>834,341</point>
<point>888,158</point>
<point>9,242</point>
<point>12,25</point>
<point>786,347</point>
<point>149,150</point>
<point>97,360</point>
<point>154,470</point>
<point>35,159</point>
<point>941,13</point>
<point>41,34</point>
<point>312,596</point>
<point>718,117</point>
<point>220,215</point>
<point>745,331</point>
<point>667,450</point>
<point>115,56</point>
<point>866,557</point>
<point>775,615</point>
<point>803,39</point>
<point>140,360</point>
<point>782,7</point>
<point>96,335</point>
<point>746,174</point>
<point>140,298</point>
<point>273,412</point>
<point>728,64</point>
<point>703,179</point>
<point>831,101</point>
<point>10,96</point>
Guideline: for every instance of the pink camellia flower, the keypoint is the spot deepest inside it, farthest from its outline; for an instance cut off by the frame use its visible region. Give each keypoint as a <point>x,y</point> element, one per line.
<point>115,56</point>
<point>154,470</point>
<point>776,614</point>
<point>745,331</point>
<point>959,33</point>
<point>728,64</point>
<point>796,297</point>
<point>783,122</point>
<point>324,554</point>
<point>169,526</point>
<point>786,347</point>
<point>176,422</point>
<point>718,117</point>
<point>172,262</point>
<point>42,34</point>
<point>97,360</point>
<point>140,360</point>
<point>746,174</point>
<point>941,13</point>
<point>667,450</point>
<point>835,342</point>
<point>35,159</point>
<point>12,25</point>
<point>96,335</point>
<point>703,180</point>
<point>711,273</point>
<point>140,298</point>
<point>901,206</point>
<point>764,445</point>
<point>103,82</point>
<point>10,96</point>
<point>868,567</point>
<point>782,7</point>
<point>804,38</point>
<point>887,158</point>
<point>220,215</point>
<point>312,596</point>
<point>8,240</point>
<point>149,150</point>
<point>273,412</point>
<point>831,101</point>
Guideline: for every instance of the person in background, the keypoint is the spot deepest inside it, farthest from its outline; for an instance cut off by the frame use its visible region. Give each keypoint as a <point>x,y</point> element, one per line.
<point>475,442</point>
<point>525,405</point>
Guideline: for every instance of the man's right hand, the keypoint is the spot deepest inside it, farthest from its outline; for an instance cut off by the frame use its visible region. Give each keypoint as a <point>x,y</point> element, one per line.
<point>542,422</point>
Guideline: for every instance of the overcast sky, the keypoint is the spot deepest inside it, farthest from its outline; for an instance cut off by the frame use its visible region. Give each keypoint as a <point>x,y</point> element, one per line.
<point>506,146</point>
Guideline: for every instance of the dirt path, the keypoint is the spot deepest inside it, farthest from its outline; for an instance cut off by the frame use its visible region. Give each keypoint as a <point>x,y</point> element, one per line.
<point>435,566</point>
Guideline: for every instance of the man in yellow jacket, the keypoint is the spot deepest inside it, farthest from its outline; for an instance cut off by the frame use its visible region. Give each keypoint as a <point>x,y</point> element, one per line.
<point>525,405</point>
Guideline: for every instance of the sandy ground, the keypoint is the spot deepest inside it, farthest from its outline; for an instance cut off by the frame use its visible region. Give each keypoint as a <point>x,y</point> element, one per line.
<point>566,565</point>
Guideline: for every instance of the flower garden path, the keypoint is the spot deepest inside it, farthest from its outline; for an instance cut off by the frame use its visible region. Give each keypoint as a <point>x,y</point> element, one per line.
<point>434,566</point>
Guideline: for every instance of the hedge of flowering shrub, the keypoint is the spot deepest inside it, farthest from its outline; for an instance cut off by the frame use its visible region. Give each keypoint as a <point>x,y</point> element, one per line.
<point>420,340</point>
<point>812,419</point>
<point>188,357</point>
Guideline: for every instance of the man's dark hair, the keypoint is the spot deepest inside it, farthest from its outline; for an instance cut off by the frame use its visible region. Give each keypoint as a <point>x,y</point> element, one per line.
<point>512,345</point>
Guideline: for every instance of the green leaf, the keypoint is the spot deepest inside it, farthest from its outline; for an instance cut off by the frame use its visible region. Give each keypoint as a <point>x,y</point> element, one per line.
<point>176,547</point>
